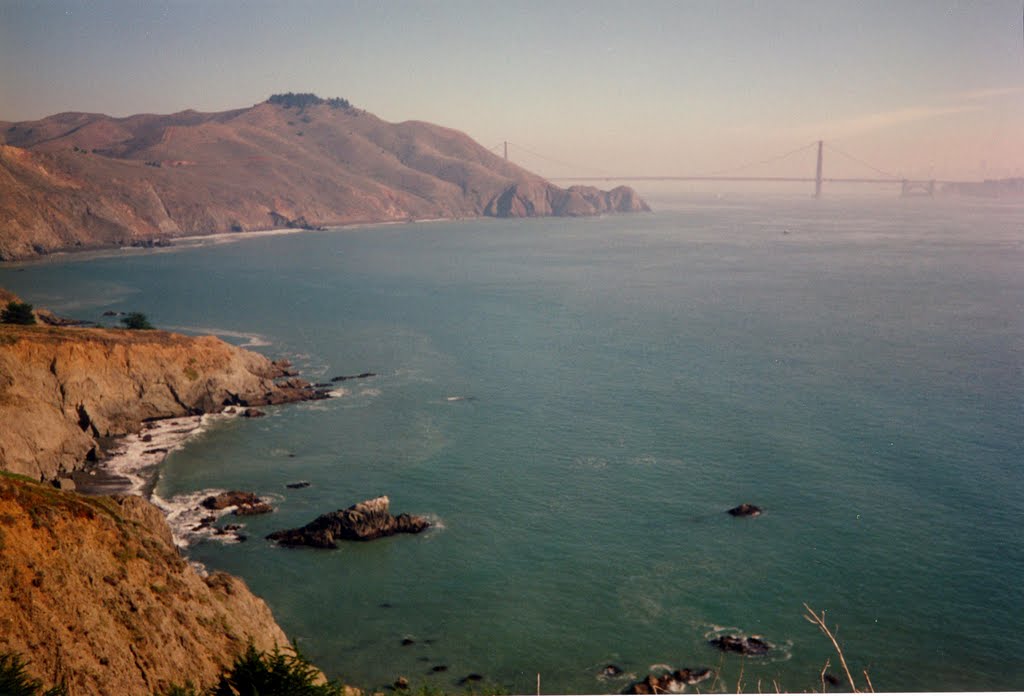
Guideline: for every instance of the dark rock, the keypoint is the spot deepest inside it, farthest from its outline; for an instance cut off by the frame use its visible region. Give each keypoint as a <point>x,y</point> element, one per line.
<point>611,671</point>
<point>670,682</point>
<point>744,645</point>
<point>253,413</point>
<point>408,641</point>
<point>832,679</point>
<point>297,484</point>
<point>364,521</point>
<point>147,438</point>
<point>322,385</point>
<point>110,313</point>
<point>258,508</point>
<point>230,498</point>
<point>745,510</point>
<point>385,605</point>
<point>471,678</point>
<point>231,527</point>
<point>401,683</point>
<point>362,375</point>
<point>440,668</point>
<point>241,537</point>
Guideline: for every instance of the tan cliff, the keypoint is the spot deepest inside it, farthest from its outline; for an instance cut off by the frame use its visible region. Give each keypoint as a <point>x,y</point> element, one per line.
<point>61,389</point>
<point>97,596</point>
<point>78,181</point>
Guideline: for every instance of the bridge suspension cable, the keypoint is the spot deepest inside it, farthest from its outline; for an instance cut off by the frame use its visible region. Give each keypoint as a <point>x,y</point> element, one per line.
<point>560,163</point>
<point>861,162</point>
<point>726,172</point>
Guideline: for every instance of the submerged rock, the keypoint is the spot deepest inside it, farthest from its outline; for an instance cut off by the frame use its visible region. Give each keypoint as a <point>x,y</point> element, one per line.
<point>744,645</point>
<point>364,521</point>
<point>670,682</point>
<point>297,484</point>
<point>745,510</point>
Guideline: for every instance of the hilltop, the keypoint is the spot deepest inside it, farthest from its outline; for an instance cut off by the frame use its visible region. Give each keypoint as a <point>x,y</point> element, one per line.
<point>79,180</point>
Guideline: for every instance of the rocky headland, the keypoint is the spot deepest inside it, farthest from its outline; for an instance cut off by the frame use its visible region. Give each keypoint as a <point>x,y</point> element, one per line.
<point>64,391</point>
<point>84,181</point>
<point>97,596</point>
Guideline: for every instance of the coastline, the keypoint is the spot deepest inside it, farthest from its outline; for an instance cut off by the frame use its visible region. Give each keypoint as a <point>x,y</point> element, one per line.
<point>193,241</point>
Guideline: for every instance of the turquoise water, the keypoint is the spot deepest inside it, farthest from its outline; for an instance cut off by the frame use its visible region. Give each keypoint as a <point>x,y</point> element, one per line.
<point>853,367</point>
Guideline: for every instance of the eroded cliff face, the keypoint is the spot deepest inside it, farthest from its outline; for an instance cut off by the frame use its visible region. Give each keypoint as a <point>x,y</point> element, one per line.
<point>97,596</point>
<point>63,388</point>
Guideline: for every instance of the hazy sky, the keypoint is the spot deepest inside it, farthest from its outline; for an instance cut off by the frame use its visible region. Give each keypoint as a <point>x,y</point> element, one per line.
<point>917,88</point>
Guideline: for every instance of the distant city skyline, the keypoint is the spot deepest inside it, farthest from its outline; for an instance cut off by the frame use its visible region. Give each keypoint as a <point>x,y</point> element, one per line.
<point>923,89</point>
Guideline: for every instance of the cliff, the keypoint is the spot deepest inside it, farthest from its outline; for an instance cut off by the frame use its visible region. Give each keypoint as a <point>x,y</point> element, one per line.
<point>75,181</point>
<point>97,596</point>
<point>61,389</point>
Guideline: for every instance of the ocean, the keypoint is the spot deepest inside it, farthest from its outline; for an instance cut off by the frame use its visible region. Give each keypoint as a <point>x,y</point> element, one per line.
<point>575,403</point>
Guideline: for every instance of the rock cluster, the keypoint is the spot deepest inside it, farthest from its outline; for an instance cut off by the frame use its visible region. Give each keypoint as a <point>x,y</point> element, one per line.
<point>671,682</point>
<point>370,519</point>
<point>744,645</point>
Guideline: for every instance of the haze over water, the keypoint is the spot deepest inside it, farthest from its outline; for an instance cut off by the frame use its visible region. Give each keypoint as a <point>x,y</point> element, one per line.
<point>577,402</point>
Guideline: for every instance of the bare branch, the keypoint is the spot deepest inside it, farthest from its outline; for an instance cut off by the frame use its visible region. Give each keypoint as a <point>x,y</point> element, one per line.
<point>819,621</point>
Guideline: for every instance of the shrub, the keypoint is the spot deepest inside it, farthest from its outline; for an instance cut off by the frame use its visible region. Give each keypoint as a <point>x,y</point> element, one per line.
<point>17,313</point>
<point>15,682</point>
<point>137,321</point>
<point>256,673</point>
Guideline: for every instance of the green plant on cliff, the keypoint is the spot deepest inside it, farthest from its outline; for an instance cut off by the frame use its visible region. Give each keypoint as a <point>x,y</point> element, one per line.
<point>136,320</point>
<point>256,673</point>
<point>14,681</point>
<point>17,313</point>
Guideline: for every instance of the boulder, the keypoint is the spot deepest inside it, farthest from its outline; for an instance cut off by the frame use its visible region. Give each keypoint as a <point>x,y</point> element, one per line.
<point>670,682</point>
<point>253,413</point>
<point>257,508</point>
<point>297,484</point>
<point>229,499</point>
<point>364,521</point>
<point>745,510</point>
<point>744,645</point>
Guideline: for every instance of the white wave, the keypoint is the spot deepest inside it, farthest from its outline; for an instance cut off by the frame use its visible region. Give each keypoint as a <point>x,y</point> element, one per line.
<point>339,392</point>
<point>369,392</point>
<point>137,456</point>
<point>253,340</point>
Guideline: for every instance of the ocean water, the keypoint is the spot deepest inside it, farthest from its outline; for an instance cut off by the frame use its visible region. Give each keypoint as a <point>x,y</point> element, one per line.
<point>575,403</point>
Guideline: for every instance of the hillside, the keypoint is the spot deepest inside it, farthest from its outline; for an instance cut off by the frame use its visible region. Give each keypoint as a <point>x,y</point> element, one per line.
<point>97,596</point>
<point>63,389</point>
<point>74,180</point>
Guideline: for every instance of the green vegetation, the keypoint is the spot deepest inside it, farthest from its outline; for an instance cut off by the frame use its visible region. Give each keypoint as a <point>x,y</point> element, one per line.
<point>302,100</point>
<point>17,313</point>
<point>258,673</point>
<point>14,681</point>
<point>137,321</point>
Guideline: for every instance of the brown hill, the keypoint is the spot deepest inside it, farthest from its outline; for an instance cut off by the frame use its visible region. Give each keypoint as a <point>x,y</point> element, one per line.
<point>97,596</point>
<point>61,389</point>
<point>87,180</point>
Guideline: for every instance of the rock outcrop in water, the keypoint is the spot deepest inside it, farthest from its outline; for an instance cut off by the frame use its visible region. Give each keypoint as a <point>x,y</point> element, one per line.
<point>62,390</point>
<point>79,181</point>
<point>95,594</point>
<point>364,521</point>
<point>674,682</point>
<point>745,510</point>
<point>744,645</point>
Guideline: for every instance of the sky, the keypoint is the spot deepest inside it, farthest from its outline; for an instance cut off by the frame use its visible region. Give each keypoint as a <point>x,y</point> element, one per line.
<point>916,88</point>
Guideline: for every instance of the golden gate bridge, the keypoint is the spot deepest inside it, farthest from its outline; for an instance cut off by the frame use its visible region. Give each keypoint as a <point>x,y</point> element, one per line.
<point>908,187</point>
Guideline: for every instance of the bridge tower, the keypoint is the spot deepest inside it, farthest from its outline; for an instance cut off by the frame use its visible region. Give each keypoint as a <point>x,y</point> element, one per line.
<point>817,176</point>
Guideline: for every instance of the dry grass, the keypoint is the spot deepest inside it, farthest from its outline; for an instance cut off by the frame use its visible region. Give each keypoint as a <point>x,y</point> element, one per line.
<point>818,619</point>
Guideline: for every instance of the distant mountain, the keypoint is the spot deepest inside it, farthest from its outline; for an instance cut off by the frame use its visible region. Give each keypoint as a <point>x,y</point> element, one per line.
<point>76,180</point>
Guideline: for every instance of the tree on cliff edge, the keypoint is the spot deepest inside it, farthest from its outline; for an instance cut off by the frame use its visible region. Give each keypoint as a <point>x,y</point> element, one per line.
<point>17,313</point>
<point>136,320</point>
